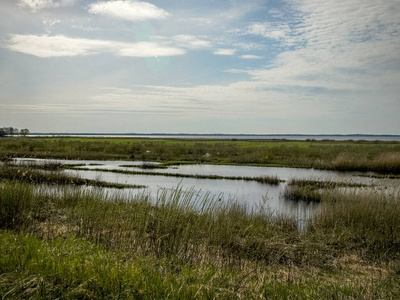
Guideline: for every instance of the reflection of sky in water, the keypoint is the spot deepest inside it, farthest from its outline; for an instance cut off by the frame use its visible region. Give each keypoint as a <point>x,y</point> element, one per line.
<point>250,193</point>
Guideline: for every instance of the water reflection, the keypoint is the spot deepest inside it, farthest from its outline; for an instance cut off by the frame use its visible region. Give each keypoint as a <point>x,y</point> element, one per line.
<point>249,193</point>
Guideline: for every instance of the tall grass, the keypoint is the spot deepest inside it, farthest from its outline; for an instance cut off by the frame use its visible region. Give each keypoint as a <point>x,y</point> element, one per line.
<point>388,162</point>
<point>69,242</point>
<point>364,222</point>
<point>183,224</point>
<point>273,180</point>
<point>313,191</point>
<point>36,174</point>
<point>381,157</point>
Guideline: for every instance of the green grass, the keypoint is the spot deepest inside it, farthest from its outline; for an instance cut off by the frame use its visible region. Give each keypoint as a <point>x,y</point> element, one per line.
<point>312,191</point>
<point>382,157</point>
<point>273,180</point>
<point>53,174</point>
<point>70,243</point>
<point>73,268</point>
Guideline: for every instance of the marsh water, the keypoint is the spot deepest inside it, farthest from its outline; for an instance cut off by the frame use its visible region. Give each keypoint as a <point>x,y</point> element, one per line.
<point>254,195</point>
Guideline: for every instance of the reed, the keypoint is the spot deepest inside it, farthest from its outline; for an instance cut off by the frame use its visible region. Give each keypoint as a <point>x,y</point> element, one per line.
<point>365,222</point>
<point>312,191</point>
<point>31,174</point>
<point>374,156</point>
<point>68,242</point>
<point>273,180</point>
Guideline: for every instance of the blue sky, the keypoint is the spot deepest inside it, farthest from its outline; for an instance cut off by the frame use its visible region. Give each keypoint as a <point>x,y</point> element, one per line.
<point>295,66</point>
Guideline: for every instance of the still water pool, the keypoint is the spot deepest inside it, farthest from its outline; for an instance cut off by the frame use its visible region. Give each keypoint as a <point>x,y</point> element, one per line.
<point>252,194</point>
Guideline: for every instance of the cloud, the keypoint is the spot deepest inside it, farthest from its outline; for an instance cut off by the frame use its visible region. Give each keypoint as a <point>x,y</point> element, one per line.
<point>225,52</point>
<point>251,57</point>
<point>268,30</point>
<point>190,41</point>
<point>185,41</point>
<point>59,46</point>
<point>49,25</point>
<point>333,46</point>
<point>128,10</point>
<point>147,49</point>
<point>37,5</point>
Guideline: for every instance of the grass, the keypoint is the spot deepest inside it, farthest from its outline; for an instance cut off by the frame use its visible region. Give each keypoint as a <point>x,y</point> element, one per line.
<point>382,157</point>
<point>273,180</point>
<point>311,190</point>
<point>52,175</point>
<point>73,243</point>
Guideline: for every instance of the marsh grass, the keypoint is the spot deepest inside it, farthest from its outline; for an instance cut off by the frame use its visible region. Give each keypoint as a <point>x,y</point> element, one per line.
<point>365,222</point>
<point>388,162</point>
<point>51,174</point>
<point>273,180</point>
<point>80,243</point>
<point>382,157</point>
<point>312,191</point>
<point>302,193</point>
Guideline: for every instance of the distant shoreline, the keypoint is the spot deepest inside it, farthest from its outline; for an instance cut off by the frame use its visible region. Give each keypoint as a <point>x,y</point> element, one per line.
<point>338,137</point>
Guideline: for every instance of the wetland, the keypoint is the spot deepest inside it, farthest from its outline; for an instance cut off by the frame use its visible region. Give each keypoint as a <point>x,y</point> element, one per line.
<point>158,219</point>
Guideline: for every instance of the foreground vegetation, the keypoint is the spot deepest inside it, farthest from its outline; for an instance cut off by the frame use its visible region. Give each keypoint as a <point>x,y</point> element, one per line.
<point>382,157</point>
<point>67,242</point>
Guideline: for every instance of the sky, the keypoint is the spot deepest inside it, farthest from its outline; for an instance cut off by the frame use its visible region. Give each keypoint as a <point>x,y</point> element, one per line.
<point>201,66</point>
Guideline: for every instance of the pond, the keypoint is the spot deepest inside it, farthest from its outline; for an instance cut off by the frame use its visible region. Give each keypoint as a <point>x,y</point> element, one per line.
<point>252,194</point>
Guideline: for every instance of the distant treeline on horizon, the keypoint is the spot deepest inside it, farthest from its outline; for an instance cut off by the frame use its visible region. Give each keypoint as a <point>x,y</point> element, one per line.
<point>370,137</point>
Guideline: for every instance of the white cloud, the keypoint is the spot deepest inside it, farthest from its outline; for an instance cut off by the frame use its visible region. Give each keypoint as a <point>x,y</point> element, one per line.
<point>190,41</point>
<point>49,25</point>
<point>59,46</point>
<point>268,30</point>
<point>225,52</point>
<point>147,49</point>
<point>336,47</point>
<point>251,57</point>
<point>185,41</point>
<point>37,5</point>
<point>128,10</point>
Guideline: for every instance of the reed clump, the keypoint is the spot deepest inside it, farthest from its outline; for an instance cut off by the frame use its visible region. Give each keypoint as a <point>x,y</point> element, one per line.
<point>386,163</point>
<point>51,174</point>
<point>364,222</point>
<point>68,242</point>
<point>313,191</point>
<point>298,193</point>
<point>373,156</point>
<point>273,180</point>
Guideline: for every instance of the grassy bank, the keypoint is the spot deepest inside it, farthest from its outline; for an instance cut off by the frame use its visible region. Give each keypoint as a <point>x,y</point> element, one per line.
<point>273,180</point>
<point>31,174</point>
<point>383,157</point>
<point>84,244</point>
<point>313,191</point>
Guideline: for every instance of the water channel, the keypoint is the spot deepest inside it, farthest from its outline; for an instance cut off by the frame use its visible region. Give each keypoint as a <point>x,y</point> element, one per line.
<point>250,193</point>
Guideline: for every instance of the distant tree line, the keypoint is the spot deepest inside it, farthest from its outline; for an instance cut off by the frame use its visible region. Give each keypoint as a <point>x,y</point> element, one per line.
<point>7,131</point>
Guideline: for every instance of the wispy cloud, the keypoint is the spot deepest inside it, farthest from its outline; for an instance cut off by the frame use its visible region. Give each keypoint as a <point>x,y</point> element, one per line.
<point>128,10</point>
<point>49,25</point>
<point>269,30</point>
<point>249,56</point>
<point>185,41</point>
<point>37,5</point>
<point>225,52</point>
<point>334,46</point>
<point>190,41</point>
<point>59,46</point>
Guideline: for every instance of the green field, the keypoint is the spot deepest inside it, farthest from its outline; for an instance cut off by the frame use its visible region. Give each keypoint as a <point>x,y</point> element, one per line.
<point>77,244</point>
<point>381,157</point>
<point>61,241</point>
